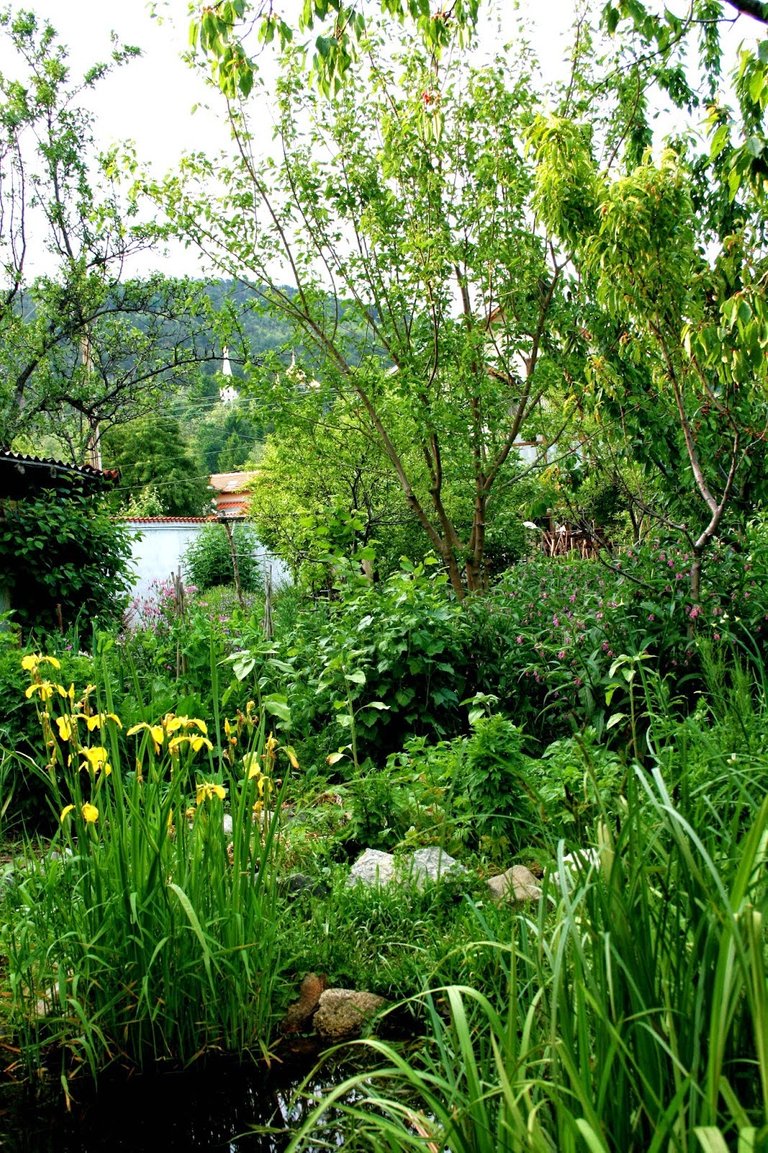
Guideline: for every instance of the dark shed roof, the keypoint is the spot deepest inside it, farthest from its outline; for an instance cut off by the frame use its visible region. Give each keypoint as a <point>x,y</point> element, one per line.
<point>22,475</point>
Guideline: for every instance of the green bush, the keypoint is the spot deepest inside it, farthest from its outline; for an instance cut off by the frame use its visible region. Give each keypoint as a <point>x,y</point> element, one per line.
<point>65,561</point>
<point>371,668</point>
<point>476,792</point>
<point>547,638</point>
<point>208,559</point>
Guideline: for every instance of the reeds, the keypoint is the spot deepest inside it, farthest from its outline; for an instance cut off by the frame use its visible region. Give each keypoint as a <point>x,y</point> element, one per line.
<point>147,932</point>
<point>631,1015</point>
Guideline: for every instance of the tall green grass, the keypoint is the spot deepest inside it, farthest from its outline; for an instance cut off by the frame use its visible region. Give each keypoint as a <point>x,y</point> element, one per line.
<point>631,1014</point>
<point>147,931</point>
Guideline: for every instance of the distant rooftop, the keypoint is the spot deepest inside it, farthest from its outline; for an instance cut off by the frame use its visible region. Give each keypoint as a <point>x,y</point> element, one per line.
<point>180,520</point>
<point>231,481</point>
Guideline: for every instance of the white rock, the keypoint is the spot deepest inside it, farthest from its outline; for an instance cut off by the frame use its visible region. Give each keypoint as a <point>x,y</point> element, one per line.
<point>374,867</point>
<point>429,865</point>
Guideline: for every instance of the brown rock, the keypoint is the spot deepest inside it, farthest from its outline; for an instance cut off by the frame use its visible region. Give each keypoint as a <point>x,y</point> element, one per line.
<point>342,1013</point>
<point>517,884</point>
<point>300,1012</point>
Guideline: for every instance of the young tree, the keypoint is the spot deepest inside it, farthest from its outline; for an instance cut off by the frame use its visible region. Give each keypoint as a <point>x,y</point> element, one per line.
<point>155,464</point>
<point>690,374</point>
<point>404,210</point>
<point>325,489</point>
<point>81,346</point>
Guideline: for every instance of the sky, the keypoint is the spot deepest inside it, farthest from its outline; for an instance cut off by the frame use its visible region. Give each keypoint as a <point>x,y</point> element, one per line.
<point>164,106</point>
<point>151,100</point>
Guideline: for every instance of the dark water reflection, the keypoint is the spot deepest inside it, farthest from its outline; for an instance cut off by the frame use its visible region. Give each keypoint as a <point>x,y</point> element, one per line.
<point>190,1112</point>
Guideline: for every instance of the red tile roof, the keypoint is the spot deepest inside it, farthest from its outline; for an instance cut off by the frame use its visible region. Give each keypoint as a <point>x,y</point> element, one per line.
<point>168,519</point>
<point>226,482</point>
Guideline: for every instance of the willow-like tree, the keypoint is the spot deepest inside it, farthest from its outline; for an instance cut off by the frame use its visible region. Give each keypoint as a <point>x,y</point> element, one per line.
<point>422,291</point>
<point>692,318</point>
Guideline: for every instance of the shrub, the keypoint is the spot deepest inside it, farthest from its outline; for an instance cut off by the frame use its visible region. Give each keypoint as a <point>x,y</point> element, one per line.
<point>366,671</point>
<point>208,559</point>
<point>547,638</point>
<point>65,560</point>
<point>476,791</point>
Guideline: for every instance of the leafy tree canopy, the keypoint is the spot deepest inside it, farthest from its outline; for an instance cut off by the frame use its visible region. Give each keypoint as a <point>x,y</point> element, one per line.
<point>154,462</point>
<point>82,346</point>
<point>220,30</point>
<point>410,202</point>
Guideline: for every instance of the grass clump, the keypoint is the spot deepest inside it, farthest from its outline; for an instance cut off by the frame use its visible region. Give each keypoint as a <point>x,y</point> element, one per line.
<point>146,932</point>
<point>628,1013</point>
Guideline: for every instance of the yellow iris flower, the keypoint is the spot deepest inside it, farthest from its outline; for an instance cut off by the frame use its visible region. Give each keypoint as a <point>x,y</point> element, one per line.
<point>96,760</point>
<point>172,724</point>
<point>89,812</point>
<point>156,732</point>
<point>44,688</point>
<point>196,742</point>
<point>32,661</point>
<point>207,790</point>
<point>98,720</point>
<point>65,727</point>
<point>251,766</point>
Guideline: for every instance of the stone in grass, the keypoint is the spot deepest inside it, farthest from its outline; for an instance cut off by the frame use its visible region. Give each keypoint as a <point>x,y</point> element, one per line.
<point>430,864</point>
<point>343,1013</point>
<point>299,1015</point>
<point>517,884</point>
<point>376,867</point>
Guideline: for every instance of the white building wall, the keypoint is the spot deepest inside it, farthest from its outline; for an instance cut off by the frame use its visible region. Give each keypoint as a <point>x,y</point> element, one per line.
<point>157,548</point>
<point>158,545</point>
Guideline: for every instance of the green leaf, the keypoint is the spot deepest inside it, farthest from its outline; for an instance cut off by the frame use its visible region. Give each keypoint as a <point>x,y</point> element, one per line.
<point>277,706</point>
<point>711,1139</point>
<point>242,664</point>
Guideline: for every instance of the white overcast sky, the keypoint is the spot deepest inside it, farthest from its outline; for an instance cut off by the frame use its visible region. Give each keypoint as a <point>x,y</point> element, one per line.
<point>150,100</point>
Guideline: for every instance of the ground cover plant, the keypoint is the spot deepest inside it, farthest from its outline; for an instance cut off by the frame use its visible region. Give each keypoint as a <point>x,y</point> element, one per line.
<point>626,1013</point>
<point>625,1010</point>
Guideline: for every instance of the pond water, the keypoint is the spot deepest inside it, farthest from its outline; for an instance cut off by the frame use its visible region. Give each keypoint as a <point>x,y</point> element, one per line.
<point>186,1112</point>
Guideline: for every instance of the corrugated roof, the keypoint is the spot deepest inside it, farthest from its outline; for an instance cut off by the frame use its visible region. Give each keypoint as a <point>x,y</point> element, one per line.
<point>21,473</point>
